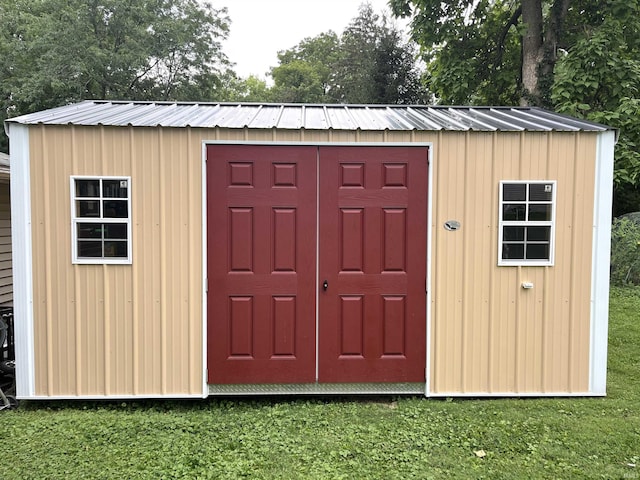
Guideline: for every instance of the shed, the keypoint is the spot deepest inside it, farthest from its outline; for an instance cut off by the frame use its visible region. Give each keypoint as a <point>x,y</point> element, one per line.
<point>195,249</point>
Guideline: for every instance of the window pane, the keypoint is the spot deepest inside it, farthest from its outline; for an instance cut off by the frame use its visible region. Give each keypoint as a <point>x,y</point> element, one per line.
<point>513,212</point>
<point>538,234</point>
<point>90,230</point>
<point>512,251</point>
<point>513,234</point>
<point>88,208</point>
<point>540,192</point>
<point>115,230</point>
<point>115,248</point>
<point>514,192</point>
<point>539,212</point>
<point>538,251</point>
<point>115,209</point>
<point>90,248</point>
<point>100,212</point>
<point>87,188</point>
<point>114,188</point>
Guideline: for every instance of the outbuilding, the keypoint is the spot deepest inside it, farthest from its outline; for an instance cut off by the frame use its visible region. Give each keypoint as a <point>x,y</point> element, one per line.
<point>194,249</point>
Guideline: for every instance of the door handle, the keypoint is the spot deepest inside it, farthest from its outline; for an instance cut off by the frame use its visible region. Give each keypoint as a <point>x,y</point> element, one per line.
<point>325,285</point>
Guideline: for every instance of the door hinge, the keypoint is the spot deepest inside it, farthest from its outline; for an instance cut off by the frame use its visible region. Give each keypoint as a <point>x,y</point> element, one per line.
<point>206,285</point>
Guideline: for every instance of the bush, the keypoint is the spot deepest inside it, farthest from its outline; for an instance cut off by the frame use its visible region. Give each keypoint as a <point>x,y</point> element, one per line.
<point>625,250</point>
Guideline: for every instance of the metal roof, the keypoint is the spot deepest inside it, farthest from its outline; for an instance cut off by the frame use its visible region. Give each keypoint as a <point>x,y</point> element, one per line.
<point>310,117</point>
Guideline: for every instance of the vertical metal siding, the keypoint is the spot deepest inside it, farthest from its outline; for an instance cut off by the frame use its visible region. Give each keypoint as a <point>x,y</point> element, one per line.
<point>119,329</point>
<point>489,335</point>
<point>137,330</point>
<point>6,272</point>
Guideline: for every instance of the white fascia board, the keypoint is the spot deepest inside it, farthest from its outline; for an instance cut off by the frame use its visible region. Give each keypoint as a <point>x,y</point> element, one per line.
<point>601,251</point>
<point>22,260</point>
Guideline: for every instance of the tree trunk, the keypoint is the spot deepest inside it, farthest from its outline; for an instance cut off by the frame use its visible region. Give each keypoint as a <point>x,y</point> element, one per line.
<point>539,49</point>
<point>532,51</point>
<point>550,45</point>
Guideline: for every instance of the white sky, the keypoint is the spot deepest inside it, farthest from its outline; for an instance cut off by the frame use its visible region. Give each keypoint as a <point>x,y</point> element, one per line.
<point>260,28</point>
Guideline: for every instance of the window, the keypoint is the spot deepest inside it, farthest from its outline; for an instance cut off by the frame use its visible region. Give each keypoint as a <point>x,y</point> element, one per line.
<point>101,219</point>
<point>527,223</point>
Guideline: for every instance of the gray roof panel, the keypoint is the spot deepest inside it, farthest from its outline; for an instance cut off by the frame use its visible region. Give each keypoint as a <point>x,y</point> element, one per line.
<point>290,119</point>
<point>310,117</point>
<point>340,119</point>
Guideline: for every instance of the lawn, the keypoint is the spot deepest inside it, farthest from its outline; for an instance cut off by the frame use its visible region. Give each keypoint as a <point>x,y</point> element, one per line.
<point>334,438</point>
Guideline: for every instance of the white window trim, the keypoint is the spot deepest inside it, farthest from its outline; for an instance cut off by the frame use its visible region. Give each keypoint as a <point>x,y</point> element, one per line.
<point>552,223</point>
<point>74,220</point>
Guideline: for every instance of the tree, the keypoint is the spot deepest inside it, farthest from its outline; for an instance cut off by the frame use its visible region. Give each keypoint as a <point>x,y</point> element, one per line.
<point>396,76</point>
<point>305,72</point>
<point>59,51</point>
<point>250,89</point>
<point>369,63</point>
<point>598,78</point>
<point>375,64</point>
<point>483,51</point>
<point>578,57</point>
<point>355,68</point>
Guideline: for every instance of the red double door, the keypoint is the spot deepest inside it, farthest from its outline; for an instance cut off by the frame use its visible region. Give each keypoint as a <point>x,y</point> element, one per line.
<point>316,264</point>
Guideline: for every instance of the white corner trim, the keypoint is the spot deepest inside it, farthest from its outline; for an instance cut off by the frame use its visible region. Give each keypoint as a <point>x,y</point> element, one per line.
<point>22,260</point>
<point>601,251</point>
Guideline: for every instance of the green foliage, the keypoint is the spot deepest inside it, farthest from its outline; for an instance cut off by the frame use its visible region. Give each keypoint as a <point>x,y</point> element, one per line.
<point>59,51</point>
<point>305,72</point>
<point>373,438</point>
<point>298,82</point>
<point>369,63</point>
<point>55,52</point>
<point>472,49</point>
<point>625,250</point>
<point>626,198</point>
<point>250,89</point>
<point>599,79</point>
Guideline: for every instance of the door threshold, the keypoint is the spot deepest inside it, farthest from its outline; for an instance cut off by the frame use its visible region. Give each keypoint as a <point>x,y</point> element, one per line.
<point>319,389</point>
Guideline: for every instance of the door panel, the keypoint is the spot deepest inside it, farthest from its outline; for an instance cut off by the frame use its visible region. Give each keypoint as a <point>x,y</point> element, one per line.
<point>263,245</point>
<point>372,325</point>
<point>261,264</point>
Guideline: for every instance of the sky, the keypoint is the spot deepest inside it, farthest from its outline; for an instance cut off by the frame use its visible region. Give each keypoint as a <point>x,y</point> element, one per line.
<point>260,28</point>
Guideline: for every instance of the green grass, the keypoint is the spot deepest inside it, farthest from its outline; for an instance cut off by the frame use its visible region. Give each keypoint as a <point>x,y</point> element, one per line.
<point>334,438</point>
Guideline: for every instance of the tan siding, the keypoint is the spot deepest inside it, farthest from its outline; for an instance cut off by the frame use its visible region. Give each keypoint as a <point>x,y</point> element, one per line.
<point>137,329</point>
<point>6,279</point>
<point>488,333</point>
<point>557,329</point>
<point>477,235</point>
<point>447,338</point>
<point>119,329</point>
<point>581,281</point>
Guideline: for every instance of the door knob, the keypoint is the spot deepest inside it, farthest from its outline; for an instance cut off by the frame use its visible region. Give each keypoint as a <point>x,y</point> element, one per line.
<point>325,285</point>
